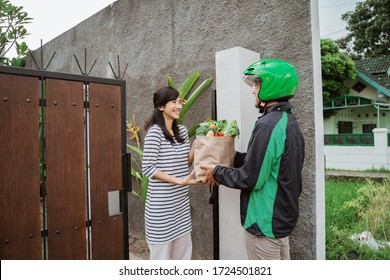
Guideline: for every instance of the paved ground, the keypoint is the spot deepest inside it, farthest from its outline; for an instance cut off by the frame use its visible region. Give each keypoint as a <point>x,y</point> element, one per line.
<point>134,257</point>
<point>138,249</point>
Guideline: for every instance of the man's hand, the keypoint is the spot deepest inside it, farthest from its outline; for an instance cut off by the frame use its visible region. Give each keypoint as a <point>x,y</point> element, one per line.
<point>209,179</point>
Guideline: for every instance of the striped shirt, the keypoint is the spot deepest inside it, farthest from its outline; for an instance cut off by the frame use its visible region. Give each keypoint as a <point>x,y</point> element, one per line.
<point>167,208</point>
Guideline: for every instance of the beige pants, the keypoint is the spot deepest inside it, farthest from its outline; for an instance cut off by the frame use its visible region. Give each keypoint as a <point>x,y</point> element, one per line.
<point>178,249</point>
<point>263,248</point>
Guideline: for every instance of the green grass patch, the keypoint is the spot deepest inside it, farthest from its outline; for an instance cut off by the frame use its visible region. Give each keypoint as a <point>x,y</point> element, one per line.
<point>381,170</point>
<point>354,206</point>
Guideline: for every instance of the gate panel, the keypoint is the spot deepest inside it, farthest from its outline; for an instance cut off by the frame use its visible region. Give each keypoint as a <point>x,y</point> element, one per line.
<point>65,165</point>
<point>46,211</point>
<point>105,171</point>
<point>20,234</point>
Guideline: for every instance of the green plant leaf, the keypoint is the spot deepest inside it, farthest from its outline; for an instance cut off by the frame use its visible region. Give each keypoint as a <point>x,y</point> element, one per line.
<point>136,149</point>
<point>12,30</point>
<point>170,82</point>
<point>192,99</point>
<point>188,84</point>
<point>144,189</point>
<point>192,130</point>
<point>137,174</point>
<point>17,62</point>
<point>135,193</point>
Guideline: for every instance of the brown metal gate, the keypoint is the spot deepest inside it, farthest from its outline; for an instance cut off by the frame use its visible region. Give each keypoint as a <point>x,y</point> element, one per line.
<point>63,166</point>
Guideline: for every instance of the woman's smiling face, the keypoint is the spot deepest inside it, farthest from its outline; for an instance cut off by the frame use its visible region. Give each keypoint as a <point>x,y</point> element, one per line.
<point>172,109</point>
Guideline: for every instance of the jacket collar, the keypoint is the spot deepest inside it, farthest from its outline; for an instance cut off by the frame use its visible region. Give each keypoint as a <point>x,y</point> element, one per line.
<point>284,106</point>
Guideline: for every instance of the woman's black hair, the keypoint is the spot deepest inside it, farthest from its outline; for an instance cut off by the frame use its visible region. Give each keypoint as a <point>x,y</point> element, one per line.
<point>160,98</point>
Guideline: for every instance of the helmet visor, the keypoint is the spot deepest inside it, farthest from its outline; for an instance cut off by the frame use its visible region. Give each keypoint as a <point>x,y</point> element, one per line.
<point>250,80</point>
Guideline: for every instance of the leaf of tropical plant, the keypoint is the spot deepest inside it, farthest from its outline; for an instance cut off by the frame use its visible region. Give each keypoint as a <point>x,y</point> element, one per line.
<point>192,130</point>
<point>194,96</point>
<point>135,163</point>
<point>188,84</point>
<point>170,82</point>
<point>136,149</point>
<point>144,189</point>
<point>138,175</point>
<point>135,193</point>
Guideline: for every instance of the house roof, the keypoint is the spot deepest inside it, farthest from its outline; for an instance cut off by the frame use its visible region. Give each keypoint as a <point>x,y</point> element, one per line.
<point>376,72</point>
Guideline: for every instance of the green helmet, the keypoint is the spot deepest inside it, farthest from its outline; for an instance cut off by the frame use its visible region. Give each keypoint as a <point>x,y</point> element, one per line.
<point>279,79</point>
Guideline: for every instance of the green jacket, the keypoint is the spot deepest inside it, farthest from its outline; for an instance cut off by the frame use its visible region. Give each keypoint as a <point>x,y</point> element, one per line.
<point>269,174</point>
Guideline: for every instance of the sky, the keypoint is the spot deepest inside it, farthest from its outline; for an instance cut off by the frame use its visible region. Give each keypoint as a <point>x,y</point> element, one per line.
<point>51,18</point>
<point>330,11</point>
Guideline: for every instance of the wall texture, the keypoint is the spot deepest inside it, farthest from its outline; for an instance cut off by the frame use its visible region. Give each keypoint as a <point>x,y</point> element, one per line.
<point>175,37</point>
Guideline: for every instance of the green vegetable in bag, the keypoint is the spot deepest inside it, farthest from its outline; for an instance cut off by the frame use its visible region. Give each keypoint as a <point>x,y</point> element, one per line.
<point>231,129</point>
<point>219,128</point>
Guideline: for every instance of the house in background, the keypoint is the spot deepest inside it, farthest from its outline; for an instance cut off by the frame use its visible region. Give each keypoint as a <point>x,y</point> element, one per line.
<point>360,121</point>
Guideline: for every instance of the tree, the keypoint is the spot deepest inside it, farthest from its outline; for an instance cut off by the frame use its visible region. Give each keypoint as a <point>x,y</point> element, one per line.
<point>336,69</point>
<point>12,31</point>
<point>369,29</point>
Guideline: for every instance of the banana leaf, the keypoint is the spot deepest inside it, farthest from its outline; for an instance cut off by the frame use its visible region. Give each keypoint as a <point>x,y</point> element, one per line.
<point>144,189</point>
<point>137,174</point>
<point>192,130</point>
<point>192,99</point>
<point>185,88</point>
<point>136,149</point>
<point>170,82</point>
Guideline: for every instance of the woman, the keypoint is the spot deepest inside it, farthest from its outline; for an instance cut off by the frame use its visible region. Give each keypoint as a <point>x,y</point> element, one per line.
<point>166,163</point>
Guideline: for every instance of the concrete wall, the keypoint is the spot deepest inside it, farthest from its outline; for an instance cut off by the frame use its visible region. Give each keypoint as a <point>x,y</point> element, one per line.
<point>175,37</point>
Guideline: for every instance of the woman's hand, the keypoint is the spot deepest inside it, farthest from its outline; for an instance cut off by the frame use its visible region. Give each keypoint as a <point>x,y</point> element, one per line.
<point>189,180</point>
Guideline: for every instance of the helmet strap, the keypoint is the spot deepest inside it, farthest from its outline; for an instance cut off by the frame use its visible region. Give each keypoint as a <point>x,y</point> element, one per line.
<point>262,106</point>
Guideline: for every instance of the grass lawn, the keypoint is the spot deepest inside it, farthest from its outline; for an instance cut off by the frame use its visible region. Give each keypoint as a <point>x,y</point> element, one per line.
<point>354,206</point>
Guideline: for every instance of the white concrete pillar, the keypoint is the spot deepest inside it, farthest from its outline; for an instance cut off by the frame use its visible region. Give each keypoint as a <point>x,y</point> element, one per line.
<point>381,148</point>
<point>319,134</point>
<point>235,101</point>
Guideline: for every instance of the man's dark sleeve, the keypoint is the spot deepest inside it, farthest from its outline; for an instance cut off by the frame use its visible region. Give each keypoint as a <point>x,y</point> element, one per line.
<point>239,159</point>
<point>245,176</point>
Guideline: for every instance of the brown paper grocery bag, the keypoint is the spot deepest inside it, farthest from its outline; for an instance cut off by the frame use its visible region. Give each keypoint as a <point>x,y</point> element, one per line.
<point>212,150</point>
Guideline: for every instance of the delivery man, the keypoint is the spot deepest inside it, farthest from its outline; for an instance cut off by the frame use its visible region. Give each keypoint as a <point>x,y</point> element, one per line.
<point>269,173</point>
